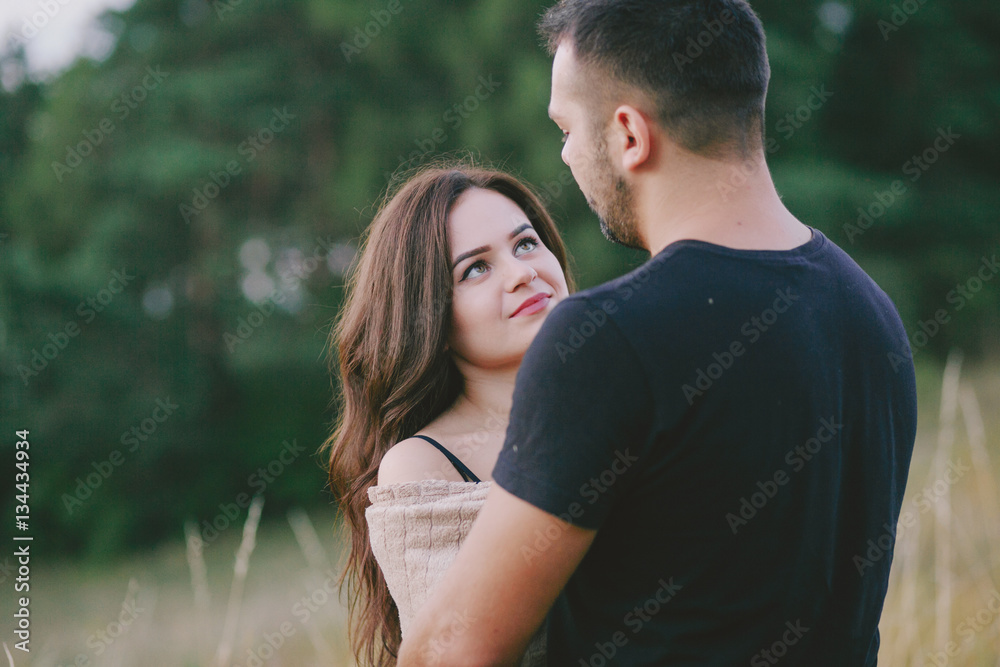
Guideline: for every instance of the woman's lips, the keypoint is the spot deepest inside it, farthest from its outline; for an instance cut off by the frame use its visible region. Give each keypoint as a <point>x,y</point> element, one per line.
<point>533,305</point>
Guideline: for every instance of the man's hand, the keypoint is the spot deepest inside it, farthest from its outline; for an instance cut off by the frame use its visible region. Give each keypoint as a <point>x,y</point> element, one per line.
<point>496,594</point>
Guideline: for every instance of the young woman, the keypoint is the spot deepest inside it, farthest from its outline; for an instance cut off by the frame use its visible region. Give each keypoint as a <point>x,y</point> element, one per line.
<point>458,270</point>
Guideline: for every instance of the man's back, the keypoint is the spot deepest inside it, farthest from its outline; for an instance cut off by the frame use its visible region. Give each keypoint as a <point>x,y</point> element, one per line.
<point>732,424</point>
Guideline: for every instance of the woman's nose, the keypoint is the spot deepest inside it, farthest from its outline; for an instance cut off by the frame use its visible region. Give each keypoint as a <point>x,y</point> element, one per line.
<point>519,272</point>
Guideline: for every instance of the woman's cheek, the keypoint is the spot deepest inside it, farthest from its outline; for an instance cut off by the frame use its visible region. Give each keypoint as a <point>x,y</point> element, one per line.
<point>464,314</point>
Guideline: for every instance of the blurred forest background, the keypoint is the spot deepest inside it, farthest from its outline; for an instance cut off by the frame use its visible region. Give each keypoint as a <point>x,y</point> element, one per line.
<point>177,219</point>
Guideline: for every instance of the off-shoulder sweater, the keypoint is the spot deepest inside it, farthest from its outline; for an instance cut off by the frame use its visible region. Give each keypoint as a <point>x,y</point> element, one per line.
<point>416,529</point>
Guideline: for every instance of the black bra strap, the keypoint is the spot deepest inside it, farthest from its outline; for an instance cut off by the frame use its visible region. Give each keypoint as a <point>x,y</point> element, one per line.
<point>461,467</point>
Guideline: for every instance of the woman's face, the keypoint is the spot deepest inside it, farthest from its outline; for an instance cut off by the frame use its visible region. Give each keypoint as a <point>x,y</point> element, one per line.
<point>505,280</point>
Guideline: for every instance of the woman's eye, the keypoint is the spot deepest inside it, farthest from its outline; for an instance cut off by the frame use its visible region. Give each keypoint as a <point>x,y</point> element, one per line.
<point>526,244</point>
<point>528,241</point>
<point>469,273</point>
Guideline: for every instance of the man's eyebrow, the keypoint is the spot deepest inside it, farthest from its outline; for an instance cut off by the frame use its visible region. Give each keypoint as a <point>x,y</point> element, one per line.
<point>486,248</point>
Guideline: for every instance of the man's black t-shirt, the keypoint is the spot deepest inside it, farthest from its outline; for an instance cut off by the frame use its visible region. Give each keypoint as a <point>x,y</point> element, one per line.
<point>738,426</point>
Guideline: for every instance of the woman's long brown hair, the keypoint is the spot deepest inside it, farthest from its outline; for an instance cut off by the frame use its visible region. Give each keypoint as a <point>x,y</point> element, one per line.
<point>388,346</point>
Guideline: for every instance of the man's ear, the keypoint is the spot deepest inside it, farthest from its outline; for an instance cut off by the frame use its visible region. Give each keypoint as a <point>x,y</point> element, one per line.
<point>634,135</point>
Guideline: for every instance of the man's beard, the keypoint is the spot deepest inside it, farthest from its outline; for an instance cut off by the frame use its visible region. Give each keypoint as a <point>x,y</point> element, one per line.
<point>613,201</point>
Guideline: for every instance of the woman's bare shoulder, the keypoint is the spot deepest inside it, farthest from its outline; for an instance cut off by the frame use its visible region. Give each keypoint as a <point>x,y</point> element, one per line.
<point>415,459</point>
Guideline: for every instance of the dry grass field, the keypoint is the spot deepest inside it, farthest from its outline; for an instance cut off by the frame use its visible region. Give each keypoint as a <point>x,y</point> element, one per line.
<point>173,607</point>
<point>157,610</point>
<point>943,604</point>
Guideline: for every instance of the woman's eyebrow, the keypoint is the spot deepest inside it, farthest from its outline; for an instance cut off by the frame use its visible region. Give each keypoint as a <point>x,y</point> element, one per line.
<point>486,248</point>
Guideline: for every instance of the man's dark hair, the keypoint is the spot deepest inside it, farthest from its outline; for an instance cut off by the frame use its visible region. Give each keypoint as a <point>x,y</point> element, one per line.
<point>702,63</point>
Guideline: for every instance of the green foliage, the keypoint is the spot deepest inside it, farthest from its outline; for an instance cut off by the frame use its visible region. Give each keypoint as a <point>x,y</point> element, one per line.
<point>214,123</point>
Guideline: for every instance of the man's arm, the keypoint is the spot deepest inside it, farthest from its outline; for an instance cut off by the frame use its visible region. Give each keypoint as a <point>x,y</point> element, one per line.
<point>494,597</point>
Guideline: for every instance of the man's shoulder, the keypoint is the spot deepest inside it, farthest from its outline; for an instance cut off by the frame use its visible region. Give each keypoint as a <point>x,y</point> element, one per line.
<point>584,326</point>
<point>634,298</point>
<point>856,285</point>
<point>631,284</point>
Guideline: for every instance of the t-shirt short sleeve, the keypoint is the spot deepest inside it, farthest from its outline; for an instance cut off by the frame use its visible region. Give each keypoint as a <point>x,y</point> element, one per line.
<point>580,418</point>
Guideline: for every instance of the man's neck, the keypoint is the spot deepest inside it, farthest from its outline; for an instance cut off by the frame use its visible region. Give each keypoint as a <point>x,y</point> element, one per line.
<point>726,203</point>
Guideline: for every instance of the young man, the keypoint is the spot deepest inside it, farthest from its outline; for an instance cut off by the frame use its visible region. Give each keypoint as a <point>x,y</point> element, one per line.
<point>702,452</point>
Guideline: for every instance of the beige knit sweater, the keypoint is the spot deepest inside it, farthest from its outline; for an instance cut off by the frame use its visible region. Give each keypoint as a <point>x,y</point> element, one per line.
<point>416,529</point>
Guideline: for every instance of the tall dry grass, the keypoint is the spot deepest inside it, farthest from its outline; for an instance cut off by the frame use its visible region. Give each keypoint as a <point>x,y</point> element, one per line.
<point>250,598</point>
<point>261,597</point>
<point>943,604</point>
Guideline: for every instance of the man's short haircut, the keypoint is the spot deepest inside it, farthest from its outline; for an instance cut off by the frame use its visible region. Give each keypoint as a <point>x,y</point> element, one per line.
<point>701,62</point>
